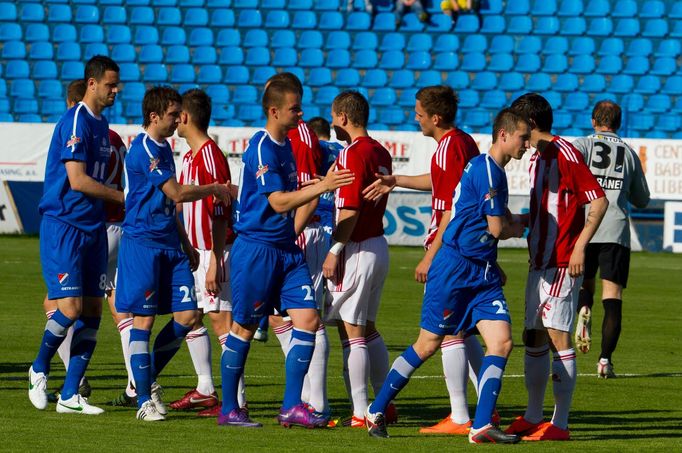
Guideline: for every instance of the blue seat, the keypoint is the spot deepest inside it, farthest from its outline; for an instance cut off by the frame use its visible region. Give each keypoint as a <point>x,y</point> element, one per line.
<point>403,78</point>
<point>133,91</point>
<point>285,56</point>
<point>610,64</point>
<point>30,117</point>
<point>528,63</point>
<point>347,77</point>
<point>446,61</point>
<point>10,32</point>
<point>330,20</point>
<point>474,43</point>
<point>538,82</point>
<point>32,12</point>
<point>502,62</point>
<point>673,86</point>
<point>407,97</point>
<point>562,119</point>
<point>429,78</point>
<point>556,45</point>
<point>676,10</point>
<point>632,102</point>
<point>624,8</point>
<point>118,34</point>
<point>520,25</point>
<point>641,121</point>
<point>365,59</point>
<point>319,77</point>
<point>664,66</point>
<point>44,70</point>
<point>36,32</point>
<point>494,25</point>
<point>358,21</point>
<point>384,21</point>
<point>604,96</point>
<point>529,45</point>
<point>577,102</point>
<point>326,5</point>
<point>648,84</point>
<point>310,39</point>
<point>249,18</point>
<point>611,47</point>
<point>257,56</point>
<point>72,71</point>
<point>636,66</point>
<point>237,75</point>
<point>177,54</point>
<point>573,26</point>
<point>494,99</point>
<point>325,95</point>
<point>311,58</point>
<point>676,31</point>
<point>602,26</point>
<point>64,33</point>
<point>222,112</point>
<point>555,64</point>
<point>484,81</point>
<point>277,19</point>
<point>204,55</point>
<point>251,113</point>
<point>467,23</point>
<point>420,42</point>
<point>511,81</point>
<point>583,120</point>
<point>156,72</point>
<point>478,118</point>
<point>129,72</point>
<point>375,78</point>
<point>444,43</point>
<point>255,38</point>
<point>141,15</point>
<point>659,103</point>
<point>123,53</point>
<point>640,47</point>
<point>655,134</point>
<point>570,8</point>
<point>597,8</point>
<point>655,28</point>
<point>566,83</point>
<point>544,8</point>
<point>228,37</point>
<point>91,33</point>
<point>652,9</point>
<point>209,73</point>
<point>23,88</point>
<point>300,4</point>
<point>39,51</point>
<point>8,12</point>
<point>439,23</point>
<point>582,46</point>
<point>168,15</point>
<point>305,20</point>
<point>219,93</point>
<point>201,36</point>
<point>222,17</point>
<point>419,61</point>
<point>621,84</point>
<point>53,106</point>
<point>411,23</point>
<point>26,106</point>
<point>16,69</point>
<point>391,116</point>
<point>546,25</point>
<point>627,27</point>
<point>582,64</point>
<point>339,39</point>
<point>338,58</point>
<point>517,8</point>
<point>13,50</point>
<point>87,14</point>
<point>182,73</point>
<point>668,48</point>
<point>669,123</point>
<point>195,17</point>
<point>392,59</point>
<point>151,53</point>
<point>114,15</point>
<point>145,34</point>
<point>500,44</point>
<point>51,88</point>
<point>458,80</point>
<point>593,83</point>
<point>6,117</point>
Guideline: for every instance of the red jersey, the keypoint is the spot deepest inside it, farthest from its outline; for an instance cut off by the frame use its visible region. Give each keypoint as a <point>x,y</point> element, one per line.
<point>209,165</point>
<point>307,154</point>
<point>560,184</point>
<point>365,157</point>
<point>455,149</point>
<point>114,212</point>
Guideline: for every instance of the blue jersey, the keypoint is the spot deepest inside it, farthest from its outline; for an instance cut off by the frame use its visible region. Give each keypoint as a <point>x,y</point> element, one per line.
<point>80,136</point>
<point>481,192</point>
<point>150,215</point>
<point>325,208</point>
<point>268,167</point>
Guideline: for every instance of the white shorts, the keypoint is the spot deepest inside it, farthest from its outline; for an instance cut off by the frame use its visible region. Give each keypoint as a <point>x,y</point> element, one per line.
<point>315,246</point>
<point>363,269</point>
<point>206,302</point>
<point>114,233</point>
<point>551,299</point>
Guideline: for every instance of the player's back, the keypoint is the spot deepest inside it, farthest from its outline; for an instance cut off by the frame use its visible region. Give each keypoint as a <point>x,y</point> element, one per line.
<point>325,208</point>
<point>365,157</point>
<point>305,147</point>
<point>78,136</point>
<point>150,215</point>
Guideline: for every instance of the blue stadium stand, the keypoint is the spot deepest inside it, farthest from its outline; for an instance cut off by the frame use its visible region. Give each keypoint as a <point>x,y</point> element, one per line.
<point>310,39</point>
<point>178,53</point>
<point>339,39</point>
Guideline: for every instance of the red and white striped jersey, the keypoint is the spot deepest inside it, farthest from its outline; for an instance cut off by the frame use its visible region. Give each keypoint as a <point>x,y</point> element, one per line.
<point>307,154</point>
<point>455,149</point>
<point>209,165</point>
<point>114,212</point>
<point>365,157</point>
<point>560,184</point>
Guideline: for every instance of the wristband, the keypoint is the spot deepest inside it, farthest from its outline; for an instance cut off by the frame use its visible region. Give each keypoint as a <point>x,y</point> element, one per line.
<point>336,248</point>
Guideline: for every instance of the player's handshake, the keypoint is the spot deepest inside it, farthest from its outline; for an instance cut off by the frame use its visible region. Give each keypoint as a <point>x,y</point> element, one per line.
<point>223,192</point>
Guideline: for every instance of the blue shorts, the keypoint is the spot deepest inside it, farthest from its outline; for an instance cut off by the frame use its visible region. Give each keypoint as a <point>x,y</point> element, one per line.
<point>460,293</point>
<point>153,281</point>
<point>74,262</point>
<point>264,277</point>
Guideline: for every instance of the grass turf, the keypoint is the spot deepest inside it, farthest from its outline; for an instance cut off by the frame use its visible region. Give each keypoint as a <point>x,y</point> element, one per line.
<point>640,410</point>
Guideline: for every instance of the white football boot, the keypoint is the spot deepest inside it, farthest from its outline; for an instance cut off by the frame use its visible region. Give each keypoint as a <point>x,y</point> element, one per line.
<point>37,389</point>
<point>149,413</point>
<point>157,393</point>
<point>77,405</point>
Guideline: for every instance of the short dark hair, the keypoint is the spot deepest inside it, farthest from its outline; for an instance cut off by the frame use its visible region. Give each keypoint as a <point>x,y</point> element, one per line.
<point>97,66</point>
<point>75,92</point>
<point>275,93</point>
<point>607,114</point>
<point>288,78</point>
<point>536,109</point>
<point>320,126</point>
<point>439,100</point>
<point>198,104</point>
<point>354,105</point>
<point>507,119</point>
<point>157,100</point>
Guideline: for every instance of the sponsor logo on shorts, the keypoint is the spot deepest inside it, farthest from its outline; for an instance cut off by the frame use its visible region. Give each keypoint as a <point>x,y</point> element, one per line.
<point>148,295</point>
<point>63,278</point>
<point>149,306</point>
<point>73,140</point>
<point>262,169</point>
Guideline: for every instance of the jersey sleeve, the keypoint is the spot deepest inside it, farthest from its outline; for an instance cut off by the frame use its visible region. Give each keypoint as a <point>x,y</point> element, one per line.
<point>445,176</point>
<point>639,189</point>
<point>308,154</point>
<point>578,177</point>
<point>160,169</point>
<point>350,196</point>
<point>75,135</point>
<point>582,145</point>
<point>492,189</point>
<point>266,169</point>
<point>221,174</point>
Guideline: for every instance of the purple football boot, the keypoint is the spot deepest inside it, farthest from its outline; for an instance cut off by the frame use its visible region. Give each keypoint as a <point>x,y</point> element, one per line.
<point>300,415</point>
<point>239,418</point>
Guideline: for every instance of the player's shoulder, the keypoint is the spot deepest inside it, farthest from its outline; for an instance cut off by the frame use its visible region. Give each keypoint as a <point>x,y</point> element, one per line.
<point>115,139</point>
<point>566,151</point>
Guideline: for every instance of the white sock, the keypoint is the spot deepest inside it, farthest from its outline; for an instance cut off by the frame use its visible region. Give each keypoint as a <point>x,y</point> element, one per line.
<point>124,328</point>
<point>221,340</point>
<point>536,368</point>
<point>379,365</point>
<point>315,383</point>
<point>358,373</point>
<point>283,334</point>
<point>199,345</point>
<point>563,380</point>
<point>455,368</point>
<point>475,357</point>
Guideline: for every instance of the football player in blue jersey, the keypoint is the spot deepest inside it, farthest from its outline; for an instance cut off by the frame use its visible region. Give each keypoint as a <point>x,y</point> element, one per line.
<point>267,268</point>
<point>156,259</point>
<point>73,237</point>
<point>464,285</point>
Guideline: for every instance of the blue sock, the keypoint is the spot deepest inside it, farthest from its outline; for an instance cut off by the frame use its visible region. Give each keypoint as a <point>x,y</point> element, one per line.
<point>489,384</point>
<point>264,323</point>
<point>301,349</point>
<point>140,363</point>
<point>55,332</point>
<point>167,343</point>
<point>82,346</point>
<point>232,363</point>
<point>397,378</point>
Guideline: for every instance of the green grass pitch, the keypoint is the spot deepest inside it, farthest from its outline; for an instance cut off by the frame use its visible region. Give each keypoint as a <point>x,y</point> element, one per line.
<point>641,410</point>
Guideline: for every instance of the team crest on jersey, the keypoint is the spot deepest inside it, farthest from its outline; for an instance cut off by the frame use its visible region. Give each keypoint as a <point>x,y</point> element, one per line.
<point>63,278</point>
<point>153,163</point>
<point>491,194</point>
<point>148,295</point>
<point>262,169</point>
<point>447,314</point>
<point>73,140</point>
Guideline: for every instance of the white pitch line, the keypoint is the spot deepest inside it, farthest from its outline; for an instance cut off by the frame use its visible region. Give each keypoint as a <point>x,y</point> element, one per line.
<point>512,376</point>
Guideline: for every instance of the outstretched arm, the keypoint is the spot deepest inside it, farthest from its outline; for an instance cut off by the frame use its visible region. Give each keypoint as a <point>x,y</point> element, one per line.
<point>81,182</point>
<point>386,183</point>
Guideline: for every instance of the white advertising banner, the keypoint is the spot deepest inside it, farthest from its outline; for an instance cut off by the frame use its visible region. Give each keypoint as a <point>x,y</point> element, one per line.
<point>9,220</point>
<point>672,227</point>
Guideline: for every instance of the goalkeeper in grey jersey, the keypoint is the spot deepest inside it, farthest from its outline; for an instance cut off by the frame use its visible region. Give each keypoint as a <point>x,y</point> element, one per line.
<point>619,171</point>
